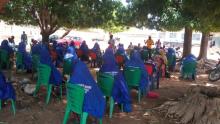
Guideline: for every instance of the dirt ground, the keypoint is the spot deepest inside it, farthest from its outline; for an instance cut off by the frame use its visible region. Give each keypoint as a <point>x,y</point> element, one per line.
<point>30,110</point>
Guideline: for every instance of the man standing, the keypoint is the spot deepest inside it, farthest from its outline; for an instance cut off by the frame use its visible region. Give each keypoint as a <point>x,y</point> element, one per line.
<point>149,44</point>
<point>24,37</point>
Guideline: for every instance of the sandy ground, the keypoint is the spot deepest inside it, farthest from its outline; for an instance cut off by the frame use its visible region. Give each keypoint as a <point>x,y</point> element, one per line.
<point>32,110</point>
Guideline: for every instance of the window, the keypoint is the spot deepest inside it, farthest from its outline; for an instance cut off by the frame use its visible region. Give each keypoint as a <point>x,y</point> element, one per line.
<point>172,35</point>
<point>196,37</point>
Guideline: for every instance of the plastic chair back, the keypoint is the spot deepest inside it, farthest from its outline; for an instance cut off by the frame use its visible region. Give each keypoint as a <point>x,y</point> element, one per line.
<point>67,66</point>
<point>19,58</point>
<point>92,55</point>
<point>75,97</point>
<point>43,74</point>
<point>132,76</point>
<point>35,61</point>
<point>119,59</point>
<point>105,82</point>
<point>4,56</point>
<point>189,67</point>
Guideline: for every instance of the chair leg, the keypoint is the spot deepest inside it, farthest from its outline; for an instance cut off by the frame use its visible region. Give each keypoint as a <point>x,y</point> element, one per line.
<point>36,89</point>
<point>100,121</point>
<point>49,90</point>
<point>83,119</point>
<point>122,108</point>
<point>66,116</point>
<point>0,104</point>
<point>61,92</point>
<point>111,107</point>
<point>139,95</point>
<point>13,106</point>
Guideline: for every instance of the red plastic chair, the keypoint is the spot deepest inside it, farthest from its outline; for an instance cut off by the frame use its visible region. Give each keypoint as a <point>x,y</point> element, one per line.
<point>119,59</point>
<point>79,53</point>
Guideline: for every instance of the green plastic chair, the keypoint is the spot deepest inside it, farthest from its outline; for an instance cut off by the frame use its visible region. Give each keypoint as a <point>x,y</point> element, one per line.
<point>19,61</point>
<point>144,55</point>
<point>4,58</point>
<point>105,82</point>
<point>189,70</point>
<point>44,72</point>
<point>12,105</point>
<point>67,67</point>
<point>35,62</point>
<point>75,99</point>
<point>133,77</point>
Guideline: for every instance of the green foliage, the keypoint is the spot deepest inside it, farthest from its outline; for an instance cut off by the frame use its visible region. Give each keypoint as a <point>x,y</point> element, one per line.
<point>50,15</point>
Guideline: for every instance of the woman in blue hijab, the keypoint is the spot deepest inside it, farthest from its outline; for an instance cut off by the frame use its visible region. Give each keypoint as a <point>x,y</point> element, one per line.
<point>171,57</point>
<point>55,76</point>
<point>85,51</point>
<point>94,102</point>
<point>26,57</point>
<point>188,59</point>
<point>6,89</point>
<point>70,53</point>
<point>120,92</point>
<point>136,61</point>
<point>5,46</point>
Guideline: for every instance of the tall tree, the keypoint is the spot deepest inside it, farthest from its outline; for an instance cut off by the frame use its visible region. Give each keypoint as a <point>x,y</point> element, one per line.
<point>207,14</point>
<point>50,15</point>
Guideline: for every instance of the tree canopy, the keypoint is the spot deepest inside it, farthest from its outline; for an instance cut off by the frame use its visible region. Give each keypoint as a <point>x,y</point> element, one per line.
<point>50,15</point>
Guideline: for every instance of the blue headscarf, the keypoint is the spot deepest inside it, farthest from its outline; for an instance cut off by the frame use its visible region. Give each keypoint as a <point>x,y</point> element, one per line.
<point>6,89</point>
<point>84,48</point>
<point>109,62</point>
<point>94,102</point>
<point>71,53</point>
<point>171,55</point>
<point>36,48</point>
<point>136,61</point>
<point>55,76</point>
<point>120,90</point>
<point>189,58</point>
<point>60,50</point>
<point>5,46</point>
<point>25,55</point>
<point>120,50</point>
<point>96,48</point>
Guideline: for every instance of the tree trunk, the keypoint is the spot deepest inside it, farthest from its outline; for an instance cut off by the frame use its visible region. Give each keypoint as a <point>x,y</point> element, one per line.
<point>45,38</point>
<point>66,33</point>
<point>204,46</point>
<point>187,45</point>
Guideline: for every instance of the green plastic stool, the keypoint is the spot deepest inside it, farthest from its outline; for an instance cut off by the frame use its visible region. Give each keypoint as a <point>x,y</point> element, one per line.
<point>105,82</point>
<point>4,58</point>
<point>133,77</point>
<point>44,72</point>
<point>75,99</point>
<point>12,105</point>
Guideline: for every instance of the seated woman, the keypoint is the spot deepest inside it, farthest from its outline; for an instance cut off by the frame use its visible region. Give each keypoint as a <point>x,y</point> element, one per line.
<point>6,89</point>
<point>26,57</point>
<point>189,59</point>
<point>120,92</point>
<point>5,46</point>
<point>161,61</point>
<point>96,59</point>
<point>55,76</point>
<point>94,102</point>
<point>171,57</point>
<point>136,61</point>
<point>85,51</point>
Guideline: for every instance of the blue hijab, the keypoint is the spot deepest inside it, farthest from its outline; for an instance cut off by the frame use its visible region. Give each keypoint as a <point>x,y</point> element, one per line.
<point>70,53</point>
<point>94,102</point>
<point>120,50</point>
<point>27,61</point>
<point>55,76</point>
<point>5,46</point>
<point>96,48</point>
<point>136,61</point>
<point>84,48</point>
<point>36,48</point>
<point>171,54</point>
<point>189,58</point>
<point>6,89</point>
<point>120,90</point>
